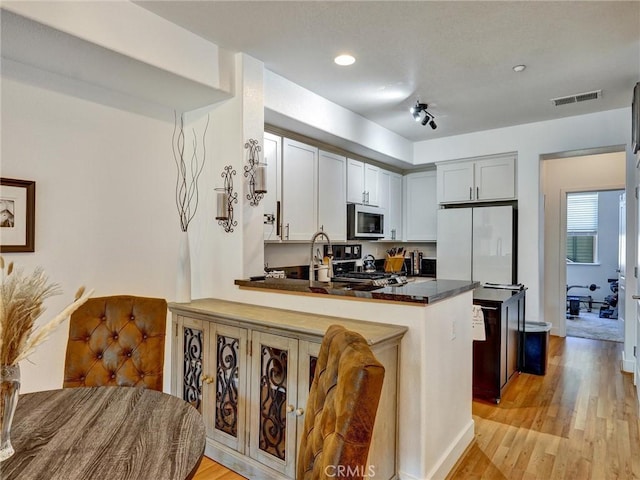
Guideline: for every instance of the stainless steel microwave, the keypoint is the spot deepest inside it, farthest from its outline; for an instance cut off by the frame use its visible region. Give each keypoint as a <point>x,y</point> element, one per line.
<point>364,222</point>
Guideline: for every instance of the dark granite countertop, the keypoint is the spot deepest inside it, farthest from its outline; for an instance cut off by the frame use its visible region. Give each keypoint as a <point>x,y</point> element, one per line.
<point>415,292</point>
<point>496,295</point>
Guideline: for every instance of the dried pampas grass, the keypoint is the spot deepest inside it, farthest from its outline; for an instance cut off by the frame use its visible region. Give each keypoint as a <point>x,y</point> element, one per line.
<point>21,303</point>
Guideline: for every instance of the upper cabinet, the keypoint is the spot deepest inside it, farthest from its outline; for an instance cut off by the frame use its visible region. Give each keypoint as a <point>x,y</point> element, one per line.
<point>299,190</point>
<point>271,201</point>
<point>332,195</point>
<point>306,191</point>
<point>481,180</point>
<point>421,206</point>
<point>362,182</point>
<point>390,198</point>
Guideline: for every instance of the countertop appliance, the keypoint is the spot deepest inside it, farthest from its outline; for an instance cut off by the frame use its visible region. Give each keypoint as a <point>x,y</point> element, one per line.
<point>364,222</point>
<point>369,263</point>
<point>478,243</point>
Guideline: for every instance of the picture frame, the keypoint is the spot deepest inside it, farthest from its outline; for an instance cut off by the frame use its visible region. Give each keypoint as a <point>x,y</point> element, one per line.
<point>17,215</point>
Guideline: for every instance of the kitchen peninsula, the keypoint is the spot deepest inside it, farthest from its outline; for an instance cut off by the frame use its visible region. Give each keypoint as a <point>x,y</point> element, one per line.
<point>435,372</point>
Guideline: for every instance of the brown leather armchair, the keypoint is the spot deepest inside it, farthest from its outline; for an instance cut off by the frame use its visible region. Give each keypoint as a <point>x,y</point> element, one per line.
<point>117,340</point>
<point>341,408</point>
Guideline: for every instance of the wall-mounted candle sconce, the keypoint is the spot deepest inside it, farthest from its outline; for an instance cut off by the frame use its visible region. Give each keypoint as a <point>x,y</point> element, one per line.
<point>257,173</point>
<point>225,199</point>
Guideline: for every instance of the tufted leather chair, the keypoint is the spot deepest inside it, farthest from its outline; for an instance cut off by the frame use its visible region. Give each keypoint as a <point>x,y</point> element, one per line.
<point>341,408</point>
<point>117,340</point>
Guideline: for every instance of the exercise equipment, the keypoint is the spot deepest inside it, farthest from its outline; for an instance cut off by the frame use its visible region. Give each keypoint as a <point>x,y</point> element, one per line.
<point>574,301</point>
<point>609,308</point>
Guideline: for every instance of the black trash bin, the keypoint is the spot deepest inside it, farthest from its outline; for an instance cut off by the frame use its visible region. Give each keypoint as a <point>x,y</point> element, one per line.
<point>536,346</point>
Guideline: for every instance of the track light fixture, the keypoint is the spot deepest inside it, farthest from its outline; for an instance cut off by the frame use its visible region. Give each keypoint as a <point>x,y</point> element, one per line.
<point>419,108</point>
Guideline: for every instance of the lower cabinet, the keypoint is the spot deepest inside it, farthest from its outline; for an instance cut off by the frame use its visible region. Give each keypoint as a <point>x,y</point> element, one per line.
<point>251,385</point>
<point>496,359</point>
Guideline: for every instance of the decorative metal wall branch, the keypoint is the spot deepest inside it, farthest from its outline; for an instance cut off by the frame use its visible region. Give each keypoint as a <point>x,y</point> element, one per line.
<point>188,171</point>
<point>226,198</point>
<point>256,172</point>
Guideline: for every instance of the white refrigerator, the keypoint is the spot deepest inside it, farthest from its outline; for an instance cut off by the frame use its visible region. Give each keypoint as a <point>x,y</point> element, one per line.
<point>477,243</point>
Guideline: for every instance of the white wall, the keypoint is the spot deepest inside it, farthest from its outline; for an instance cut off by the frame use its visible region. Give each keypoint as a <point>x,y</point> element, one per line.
<point>531,141</point>
<point>607,261</point>
<point>105,212</point>
<point>316,116</point>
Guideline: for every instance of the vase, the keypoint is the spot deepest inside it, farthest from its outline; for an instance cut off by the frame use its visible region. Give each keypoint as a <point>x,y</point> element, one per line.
<point>183,282</point>
<point>10,388</point>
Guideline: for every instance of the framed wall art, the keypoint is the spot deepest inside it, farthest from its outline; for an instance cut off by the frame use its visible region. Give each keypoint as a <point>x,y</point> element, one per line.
<point>17,215</point>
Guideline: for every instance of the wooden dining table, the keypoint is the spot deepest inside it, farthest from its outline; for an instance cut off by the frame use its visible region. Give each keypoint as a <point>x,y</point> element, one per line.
<point>104,433</point>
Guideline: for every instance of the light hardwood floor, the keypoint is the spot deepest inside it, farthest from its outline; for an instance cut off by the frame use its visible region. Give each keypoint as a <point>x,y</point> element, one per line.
<point>579,421</point>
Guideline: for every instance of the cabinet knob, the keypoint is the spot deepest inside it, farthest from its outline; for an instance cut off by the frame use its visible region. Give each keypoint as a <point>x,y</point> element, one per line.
<point>299,412</point>
<point>207,379</point>
<point>290,408</point>
<point>477,193</point>
<point>470,193</point>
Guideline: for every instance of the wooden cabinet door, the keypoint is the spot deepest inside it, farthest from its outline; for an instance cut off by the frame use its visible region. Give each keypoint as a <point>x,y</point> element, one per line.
<point>495,179</point>
<point>395,206</point>
<point>332,195</point>
<point>455,182</point>
<point>487,379</point>
<point>355,181</point>
<point>226,414</point>
<point>307,358</point>
<point>299,190</point>
<point>273,158</point>
<point>274,393</point>
<point>190,358</point>
<point>371,173</point>
<point>384,187</point>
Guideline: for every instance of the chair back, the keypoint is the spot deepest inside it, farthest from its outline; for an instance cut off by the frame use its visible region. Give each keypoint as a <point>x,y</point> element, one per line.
<point>341,408</point>
<point>117,340</point>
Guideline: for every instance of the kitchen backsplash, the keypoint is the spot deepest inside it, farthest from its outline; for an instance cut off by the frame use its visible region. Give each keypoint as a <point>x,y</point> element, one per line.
<point>289,254</point>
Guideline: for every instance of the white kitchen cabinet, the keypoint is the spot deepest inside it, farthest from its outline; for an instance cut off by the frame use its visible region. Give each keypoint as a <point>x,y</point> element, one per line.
<point>421,207</point>
<point>390,198</point>
<point>299,190</point>
<point>362,182</point>
<point>248,371</point>
<point>332,195</point>
<point>480,180</point>
<point>271,201</point>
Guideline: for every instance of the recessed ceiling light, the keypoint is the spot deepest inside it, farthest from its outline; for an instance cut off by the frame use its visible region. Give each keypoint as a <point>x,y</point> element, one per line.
<point>519,68</point>
<point>344,60</point>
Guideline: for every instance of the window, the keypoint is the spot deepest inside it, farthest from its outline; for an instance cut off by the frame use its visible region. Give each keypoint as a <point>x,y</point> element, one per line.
<point>582,227</point>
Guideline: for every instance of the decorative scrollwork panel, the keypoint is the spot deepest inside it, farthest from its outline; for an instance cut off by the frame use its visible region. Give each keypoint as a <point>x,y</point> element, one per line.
<point>192,368</point>
<point>273,399</point>
<point>227,350</point>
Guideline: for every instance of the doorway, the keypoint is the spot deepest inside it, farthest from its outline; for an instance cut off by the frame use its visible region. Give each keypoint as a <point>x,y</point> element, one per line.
<point>561,174</point>
<point>594,233</point>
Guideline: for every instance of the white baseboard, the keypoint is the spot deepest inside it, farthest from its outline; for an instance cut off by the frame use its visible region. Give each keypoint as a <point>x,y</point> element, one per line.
<point>450,457</point>
<point>628,364</point>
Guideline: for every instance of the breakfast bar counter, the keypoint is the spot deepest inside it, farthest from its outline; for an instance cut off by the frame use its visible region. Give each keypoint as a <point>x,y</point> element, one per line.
<point>414,292</point>
<point>435,372</point>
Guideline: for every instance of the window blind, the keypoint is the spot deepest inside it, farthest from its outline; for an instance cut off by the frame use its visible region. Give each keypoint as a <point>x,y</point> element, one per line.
<point>582,213</point>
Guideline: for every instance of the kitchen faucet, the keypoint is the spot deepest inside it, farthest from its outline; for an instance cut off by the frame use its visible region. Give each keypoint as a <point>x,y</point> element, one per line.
<point>312,267</point>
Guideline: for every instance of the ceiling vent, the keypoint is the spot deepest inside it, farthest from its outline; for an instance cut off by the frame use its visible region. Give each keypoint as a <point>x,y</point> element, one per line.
<point>579,97</point>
